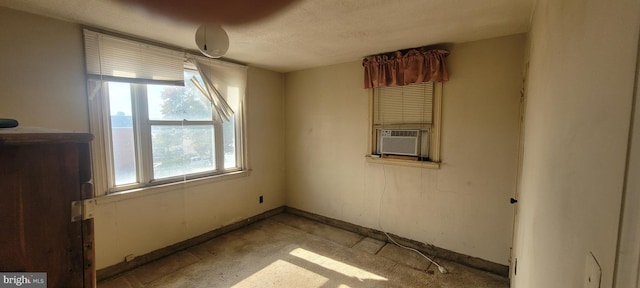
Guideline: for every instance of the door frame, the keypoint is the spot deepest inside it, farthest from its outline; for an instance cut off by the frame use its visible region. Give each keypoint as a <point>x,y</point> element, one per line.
<point>627,266</point>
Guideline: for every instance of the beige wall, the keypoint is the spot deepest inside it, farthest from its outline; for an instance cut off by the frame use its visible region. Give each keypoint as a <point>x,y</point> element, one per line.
<point>42,72</point>
<point>463,206</point>
<point>582,62</point>
<point>42,80</point>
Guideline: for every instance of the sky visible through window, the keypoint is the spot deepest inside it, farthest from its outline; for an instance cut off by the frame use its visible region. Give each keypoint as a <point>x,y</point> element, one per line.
<point>120,99</point>
<point>122,105</point>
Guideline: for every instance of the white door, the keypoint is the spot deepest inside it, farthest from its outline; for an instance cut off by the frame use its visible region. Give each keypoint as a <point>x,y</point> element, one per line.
<point>514,201</point>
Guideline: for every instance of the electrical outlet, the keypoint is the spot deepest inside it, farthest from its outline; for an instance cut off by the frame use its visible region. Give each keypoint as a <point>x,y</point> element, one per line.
<point>593,272</point>
<point>261,199</point>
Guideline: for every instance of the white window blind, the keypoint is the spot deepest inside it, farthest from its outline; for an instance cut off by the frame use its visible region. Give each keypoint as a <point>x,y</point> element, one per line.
<point>409,104</point>
<point>224,85</point>
<point>117,59</point>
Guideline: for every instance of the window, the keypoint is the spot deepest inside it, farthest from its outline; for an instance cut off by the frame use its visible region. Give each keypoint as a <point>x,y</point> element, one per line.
<point>171,125</point>
<point>405,122</point>
<point>155,126</point>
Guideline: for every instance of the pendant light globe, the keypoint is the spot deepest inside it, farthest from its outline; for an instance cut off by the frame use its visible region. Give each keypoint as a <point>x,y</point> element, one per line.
<point>212,40</point>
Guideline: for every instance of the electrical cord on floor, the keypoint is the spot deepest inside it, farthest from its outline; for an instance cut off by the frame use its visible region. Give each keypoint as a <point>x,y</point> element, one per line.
<point>384,189</point>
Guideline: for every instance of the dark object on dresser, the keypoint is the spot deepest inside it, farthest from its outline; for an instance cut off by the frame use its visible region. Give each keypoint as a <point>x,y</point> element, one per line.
<point>8,123</point>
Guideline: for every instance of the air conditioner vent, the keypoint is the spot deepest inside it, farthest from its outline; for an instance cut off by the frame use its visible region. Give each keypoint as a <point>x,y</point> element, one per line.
<point>401,133</point>
<point>399,142</point>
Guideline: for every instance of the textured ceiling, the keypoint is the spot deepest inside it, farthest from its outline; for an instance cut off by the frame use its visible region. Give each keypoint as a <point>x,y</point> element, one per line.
<point>310,33</point>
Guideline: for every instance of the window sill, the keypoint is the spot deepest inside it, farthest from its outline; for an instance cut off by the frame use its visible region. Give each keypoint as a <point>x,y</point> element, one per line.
<point>154,190</point>
<point>400,162</point>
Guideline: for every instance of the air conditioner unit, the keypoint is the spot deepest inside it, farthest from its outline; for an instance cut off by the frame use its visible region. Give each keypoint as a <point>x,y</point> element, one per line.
<point>399,142</point>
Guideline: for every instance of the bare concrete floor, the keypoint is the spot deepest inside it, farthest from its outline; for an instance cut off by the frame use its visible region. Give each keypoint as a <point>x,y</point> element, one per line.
<point>290,251</point>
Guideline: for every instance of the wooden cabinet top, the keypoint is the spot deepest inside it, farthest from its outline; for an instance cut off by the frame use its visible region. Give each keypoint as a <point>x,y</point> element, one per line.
<point>28,135</point>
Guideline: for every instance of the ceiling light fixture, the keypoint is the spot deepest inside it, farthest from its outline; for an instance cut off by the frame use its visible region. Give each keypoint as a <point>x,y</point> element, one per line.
<point>212,40</point>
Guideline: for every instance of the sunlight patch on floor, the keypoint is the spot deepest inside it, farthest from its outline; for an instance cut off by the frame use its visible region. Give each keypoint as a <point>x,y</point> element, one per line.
<point>279,274</point>
<point>337,266</point>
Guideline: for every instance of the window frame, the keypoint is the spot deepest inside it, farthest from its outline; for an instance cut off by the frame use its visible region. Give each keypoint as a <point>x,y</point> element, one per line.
<point>102,149</point>
<point>435,131</point>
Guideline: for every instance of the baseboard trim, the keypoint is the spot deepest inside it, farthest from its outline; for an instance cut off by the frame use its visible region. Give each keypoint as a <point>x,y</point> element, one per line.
<point>428,249</point>
<point>166,251</point>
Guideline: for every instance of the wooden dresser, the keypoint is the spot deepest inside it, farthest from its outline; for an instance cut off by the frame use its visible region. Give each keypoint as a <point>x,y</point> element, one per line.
<point>43,173</point>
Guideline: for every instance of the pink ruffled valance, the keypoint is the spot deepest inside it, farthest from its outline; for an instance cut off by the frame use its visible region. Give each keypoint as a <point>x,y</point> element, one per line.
<point>403,68</point>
